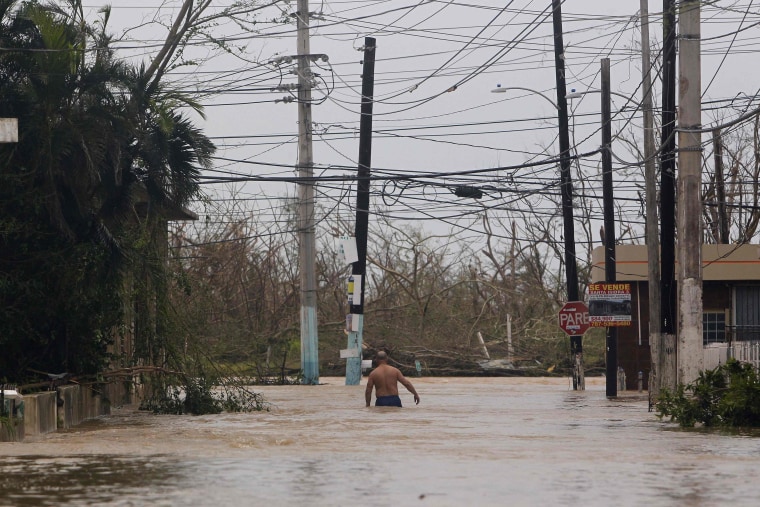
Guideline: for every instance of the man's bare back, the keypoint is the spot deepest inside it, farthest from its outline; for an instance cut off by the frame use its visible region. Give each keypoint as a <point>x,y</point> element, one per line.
<point>384,379</point>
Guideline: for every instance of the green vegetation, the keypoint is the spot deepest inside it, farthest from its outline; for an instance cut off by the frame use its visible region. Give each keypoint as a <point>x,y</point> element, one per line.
<point>104,155</point>
<point>205,395</point>
<point>727,396</point>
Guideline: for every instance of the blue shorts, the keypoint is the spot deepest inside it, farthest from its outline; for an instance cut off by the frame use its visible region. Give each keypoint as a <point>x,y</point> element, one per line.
<point>388,401</point>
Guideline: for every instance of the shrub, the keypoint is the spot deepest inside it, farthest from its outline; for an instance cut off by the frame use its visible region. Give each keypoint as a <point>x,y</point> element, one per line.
<point>727,396</point>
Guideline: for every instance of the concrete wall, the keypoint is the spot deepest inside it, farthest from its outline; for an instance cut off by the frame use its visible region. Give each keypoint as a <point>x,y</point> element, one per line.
<point>44,413</point>
<point>79,404</point>
<point>39,413</point>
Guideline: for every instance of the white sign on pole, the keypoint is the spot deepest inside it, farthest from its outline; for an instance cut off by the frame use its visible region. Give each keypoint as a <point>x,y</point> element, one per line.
<point>346,353</point>
<point>347,249</point>
<point>8,130</point>
<point>366,364</point>
<point>354,323</point>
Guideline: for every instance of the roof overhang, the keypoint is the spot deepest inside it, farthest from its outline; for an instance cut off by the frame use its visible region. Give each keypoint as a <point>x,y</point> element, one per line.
<point>719,263</point>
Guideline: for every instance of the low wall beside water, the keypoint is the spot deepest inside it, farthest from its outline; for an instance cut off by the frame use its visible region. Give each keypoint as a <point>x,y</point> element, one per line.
<point>40,413</point>
<point>79,404</point>
<point>70,405</point>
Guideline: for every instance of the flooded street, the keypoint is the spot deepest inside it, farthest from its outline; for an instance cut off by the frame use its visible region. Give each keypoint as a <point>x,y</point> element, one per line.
<point>471,441</point>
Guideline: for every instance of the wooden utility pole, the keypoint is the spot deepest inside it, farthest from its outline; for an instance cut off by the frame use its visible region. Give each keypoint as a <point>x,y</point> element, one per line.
<point>720,189</point>
<point>610,274</point>
<point>652,229</point>
<point>359,268</point>
<point>306,226</point>
<point>690,348</point>
<point>667,371</point>
<point>566,184</point>
<point>513,262</point>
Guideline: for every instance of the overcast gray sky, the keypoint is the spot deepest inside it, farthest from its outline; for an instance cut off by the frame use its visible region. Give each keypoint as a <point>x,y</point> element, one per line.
<point>423,49</point>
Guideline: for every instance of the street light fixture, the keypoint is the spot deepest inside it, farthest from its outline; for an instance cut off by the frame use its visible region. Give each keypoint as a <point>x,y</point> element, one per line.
<point>503,89</point>
<point>576,95</point>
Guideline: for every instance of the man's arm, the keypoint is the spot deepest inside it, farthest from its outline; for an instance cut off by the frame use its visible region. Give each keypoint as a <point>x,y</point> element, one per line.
<point>368,391</point>
<point>409,387</point>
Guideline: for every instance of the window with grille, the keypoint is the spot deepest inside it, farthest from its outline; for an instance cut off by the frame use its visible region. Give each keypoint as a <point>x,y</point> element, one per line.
<point>747,308</point>
<point>713,327</point>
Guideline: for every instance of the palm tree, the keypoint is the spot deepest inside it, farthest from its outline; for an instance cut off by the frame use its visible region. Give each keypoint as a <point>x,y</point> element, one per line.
<point>91,142</point>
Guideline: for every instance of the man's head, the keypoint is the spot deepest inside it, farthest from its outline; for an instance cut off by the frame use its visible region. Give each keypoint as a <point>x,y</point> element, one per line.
<point>381,356</point>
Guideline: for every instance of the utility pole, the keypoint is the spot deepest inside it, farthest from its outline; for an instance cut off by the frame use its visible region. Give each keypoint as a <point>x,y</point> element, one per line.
<point>513,262</point>
<point>720,187</point>
<point>690,348</point>
<point>667,199</point>
<point>610,274</point>
<point>652,229</point>
<point>306,226</point>
<point>566,183</point>
<point>359,268</point>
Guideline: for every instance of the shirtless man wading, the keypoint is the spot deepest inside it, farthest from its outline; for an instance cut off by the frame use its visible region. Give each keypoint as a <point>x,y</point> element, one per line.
<point>384,380</point>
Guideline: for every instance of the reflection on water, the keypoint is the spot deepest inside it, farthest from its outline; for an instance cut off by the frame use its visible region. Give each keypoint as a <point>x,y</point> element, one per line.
<point>82,480</point>
<point>492,441</point>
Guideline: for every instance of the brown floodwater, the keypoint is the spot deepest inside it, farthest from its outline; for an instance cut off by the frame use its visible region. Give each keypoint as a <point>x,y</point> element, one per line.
<point>470,442</point>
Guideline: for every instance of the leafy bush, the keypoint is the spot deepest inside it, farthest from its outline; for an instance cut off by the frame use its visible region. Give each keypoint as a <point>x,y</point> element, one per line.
<point>199,396</point>
<point>727,396</point>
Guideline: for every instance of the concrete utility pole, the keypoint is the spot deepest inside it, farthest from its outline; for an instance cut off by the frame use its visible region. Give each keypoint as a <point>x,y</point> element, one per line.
<point>690,348</point>
<point>652,229</point>
<point>566,183</point>
<point>306,226</point>
<point>668,378</point>
<point>359,268</point>
<point>610,274</point>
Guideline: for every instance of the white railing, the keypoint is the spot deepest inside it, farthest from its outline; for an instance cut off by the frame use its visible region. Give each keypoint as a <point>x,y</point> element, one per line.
<point>716,354</point>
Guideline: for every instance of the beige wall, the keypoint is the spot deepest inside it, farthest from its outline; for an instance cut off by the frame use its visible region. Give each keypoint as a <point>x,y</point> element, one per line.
<point>719,262</point>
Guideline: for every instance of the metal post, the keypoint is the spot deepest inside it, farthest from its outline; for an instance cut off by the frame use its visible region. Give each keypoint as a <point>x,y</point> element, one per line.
<point>306,226</point>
